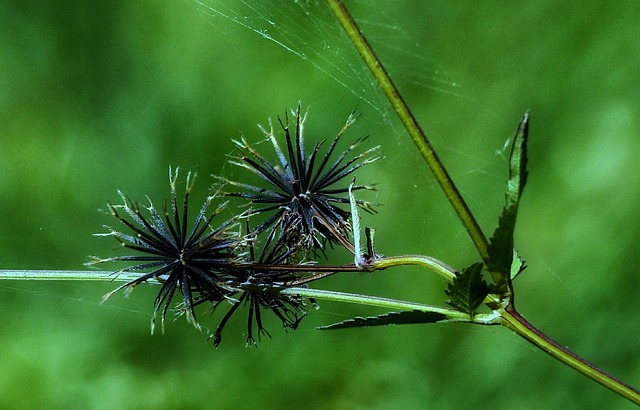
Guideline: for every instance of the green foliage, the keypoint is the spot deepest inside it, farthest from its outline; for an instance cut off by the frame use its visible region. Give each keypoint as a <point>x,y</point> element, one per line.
<point>392,318</point>
<point>468,290</point>
<point>517,265</point>
<point>501,250</point>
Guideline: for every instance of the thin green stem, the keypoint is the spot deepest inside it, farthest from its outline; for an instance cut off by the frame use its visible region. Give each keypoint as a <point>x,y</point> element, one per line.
<point>428,262</point>
<point>413,128</point>
<point>451,314</point>
<point>67,275</point>
<point>514,321</point>
<point>433,264</point>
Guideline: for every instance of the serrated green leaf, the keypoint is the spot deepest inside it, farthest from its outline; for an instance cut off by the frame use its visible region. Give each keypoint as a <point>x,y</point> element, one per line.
<point>517,264</point>
<point>392,318</point>
<point>468,290</point>
<point>518,163</point>
<point>501,250</point>
<point>501,245</point>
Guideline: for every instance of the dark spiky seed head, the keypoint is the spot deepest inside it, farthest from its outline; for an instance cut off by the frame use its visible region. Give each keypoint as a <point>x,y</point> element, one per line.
<point>193,261</point>
<point>257,283</point>
<point>305,191</point>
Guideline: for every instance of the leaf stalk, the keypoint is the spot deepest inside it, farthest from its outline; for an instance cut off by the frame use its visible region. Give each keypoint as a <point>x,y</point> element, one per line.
<point>514,321</point>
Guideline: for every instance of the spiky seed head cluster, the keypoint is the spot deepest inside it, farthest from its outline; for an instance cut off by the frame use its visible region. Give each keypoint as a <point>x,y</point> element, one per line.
<point>211,262</point>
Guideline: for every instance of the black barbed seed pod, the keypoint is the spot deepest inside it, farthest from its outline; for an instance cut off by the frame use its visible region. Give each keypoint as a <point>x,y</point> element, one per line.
<point>194,261</point>
<point>303,191</point>
<point>260,281</point>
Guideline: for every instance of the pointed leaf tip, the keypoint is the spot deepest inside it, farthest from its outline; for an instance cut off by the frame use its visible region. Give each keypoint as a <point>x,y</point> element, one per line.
<point>501,249</point>
<point>518,162</point>
<point>392,318</point>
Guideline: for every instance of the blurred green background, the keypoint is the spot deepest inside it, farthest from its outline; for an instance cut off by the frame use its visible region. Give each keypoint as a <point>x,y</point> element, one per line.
<point>100,96</point>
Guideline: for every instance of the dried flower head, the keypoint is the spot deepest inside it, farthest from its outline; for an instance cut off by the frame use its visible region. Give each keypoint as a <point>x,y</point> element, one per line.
<point>260,284</point>
<point>303,189</point>
<point>193,260</point>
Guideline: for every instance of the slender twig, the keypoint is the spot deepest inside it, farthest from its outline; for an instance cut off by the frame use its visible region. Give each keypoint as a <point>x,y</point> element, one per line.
<point>321,271</point>
<point>66,275</point>
<point>71,275</point>
<point>433,264</point>
<point>373,301</point>
<point>415,131</point>
<point>452,315</point>
<point>447,314</point>
<point>514,321</point>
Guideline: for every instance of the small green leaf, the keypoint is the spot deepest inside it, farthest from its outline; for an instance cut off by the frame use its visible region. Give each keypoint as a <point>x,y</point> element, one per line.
<point>468,290</point>
<point>501,250</point>
<point>517,264</point>
<point>518,163</point>
<point>393,318</point>
<point>501,245</point>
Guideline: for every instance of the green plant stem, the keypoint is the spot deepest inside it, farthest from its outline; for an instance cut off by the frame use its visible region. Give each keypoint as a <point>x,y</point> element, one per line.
<point>439,267</point>
<point>428,262</point>
<point>452,314</point>
<point>64,275</point>
<point>514,321</point>
<point>413,128</point>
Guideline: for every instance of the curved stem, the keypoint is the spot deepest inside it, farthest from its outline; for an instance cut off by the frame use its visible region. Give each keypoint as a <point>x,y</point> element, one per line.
<point>451,314</point>
<point>413,128</point>
<point>514,321</point>
<point>428,262</point>
<point>433,264</point>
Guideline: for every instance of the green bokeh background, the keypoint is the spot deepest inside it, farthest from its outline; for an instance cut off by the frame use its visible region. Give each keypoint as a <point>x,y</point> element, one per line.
<point>100,96</point>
